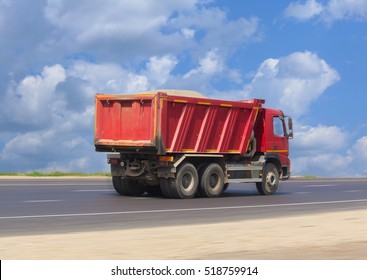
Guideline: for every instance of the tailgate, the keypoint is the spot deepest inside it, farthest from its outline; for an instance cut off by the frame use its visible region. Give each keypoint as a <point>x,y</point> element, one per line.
<point>125,122</point>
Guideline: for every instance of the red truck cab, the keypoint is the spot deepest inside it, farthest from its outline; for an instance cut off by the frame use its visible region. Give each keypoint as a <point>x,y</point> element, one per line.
<point>272,138</point>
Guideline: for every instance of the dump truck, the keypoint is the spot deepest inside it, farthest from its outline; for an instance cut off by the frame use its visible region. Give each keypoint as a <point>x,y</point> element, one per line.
<point>181,144</point>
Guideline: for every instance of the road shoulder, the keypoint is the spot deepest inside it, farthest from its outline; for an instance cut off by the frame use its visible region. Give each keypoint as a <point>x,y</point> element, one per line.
<point>336,235</point>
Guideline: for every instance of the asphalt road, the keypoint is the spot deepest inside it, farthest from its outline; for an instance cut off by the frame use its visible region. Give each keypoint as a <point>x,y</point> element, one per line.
<point>36,206</point>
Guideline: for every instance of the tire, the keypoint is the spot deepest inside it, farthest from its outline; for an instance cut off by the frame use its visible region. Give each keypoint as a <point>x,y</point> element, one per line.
<point>212,181</point>
<point>118,186</point>
<point>165,189</point>
<point>124,186</point>
<point>270,182</point>
<point>184,186</point>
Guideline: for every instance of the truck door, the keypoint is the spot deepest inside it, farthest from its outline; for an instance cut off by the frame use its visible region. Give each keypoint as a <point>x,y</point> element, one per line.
<point>277,140</point>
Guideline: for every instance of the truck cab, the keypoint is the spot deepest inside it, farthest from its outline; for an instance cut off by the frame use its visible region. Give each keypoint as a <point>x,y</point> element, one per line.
<point>272,133</point>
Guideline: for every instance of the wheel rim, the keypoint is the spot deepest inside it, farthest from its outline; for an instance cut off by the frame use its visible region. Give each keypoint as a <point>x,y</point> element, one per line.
<point>187,181</point>
<point>271,181</point>
<point>213,180</point>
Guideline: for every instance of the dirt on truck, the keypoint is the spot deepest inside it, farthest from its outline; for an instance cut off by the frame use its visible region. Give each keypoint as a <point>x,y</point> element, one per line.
<point>181,144</point>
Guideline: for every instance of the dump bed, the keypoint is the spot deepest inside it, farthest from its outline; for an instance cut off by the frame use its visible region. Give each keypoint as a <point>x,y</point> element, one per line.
<point>160,123</point>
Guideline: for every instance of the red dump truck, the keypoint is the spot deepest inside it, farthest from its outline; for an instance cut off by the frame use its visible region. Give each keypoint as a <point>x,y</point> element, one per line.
<point>183,145</point>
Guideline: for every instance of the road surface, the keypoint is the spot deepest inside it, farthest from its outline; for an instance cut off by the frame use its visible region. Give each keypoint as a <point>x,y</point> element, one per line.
<point>30,206</point>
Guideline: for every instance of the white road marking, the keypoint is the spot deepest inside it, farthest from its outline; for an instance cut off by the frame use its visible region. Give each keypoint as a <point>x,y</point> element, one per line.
<point>90,191</point>
<point>354,191</point>
<point>302,192</point>
<point>183,209</point>
<point>45,184</point>
<point>41,201</point>
<point>321,185</point>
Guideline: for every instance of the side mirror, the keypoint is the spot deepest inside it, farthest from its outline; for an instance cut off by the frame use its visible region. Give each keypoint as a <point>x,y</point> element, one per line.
<point>290,128</point>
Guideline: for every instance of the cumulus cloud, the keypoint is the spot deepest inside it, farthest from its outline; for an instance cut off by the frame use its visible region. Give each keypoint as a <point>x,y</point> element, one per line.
<point>128,22</point>
<point>327,164</point>
<point>29,101</point>
<point>216,30</point>
<point>292,82</point>
<point>303,10</point>
<point>208,65</point>
<point>158,69</point>
<point>49,150</point>
<point>331,11</point>
<point>310,140</point>
<point>360,148</point>
<point>346,162</point>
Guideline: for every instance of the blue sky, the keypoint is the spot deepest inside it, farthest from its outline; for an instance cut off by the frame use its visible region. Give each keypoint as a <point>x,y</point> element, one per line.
<point>306,57</point>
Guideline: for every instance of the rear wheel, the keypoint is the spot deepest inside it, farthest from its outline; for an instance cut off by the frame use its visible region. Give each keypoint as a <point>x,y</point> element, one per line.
<point>270,180</point>
<point>118,186</point>
<point>185,184</point>
<point>212,181</point>
<point>124,186</point>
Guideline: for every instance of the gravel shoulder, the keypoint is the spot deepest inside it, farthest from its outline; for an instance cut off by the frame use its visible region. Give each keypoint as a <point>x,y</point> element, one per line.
<point>336,235</point>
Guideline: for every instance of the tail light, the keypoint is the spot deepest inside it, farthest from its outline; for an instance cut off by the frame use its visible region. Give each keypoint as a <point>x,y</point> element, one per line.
<point>114,161</point>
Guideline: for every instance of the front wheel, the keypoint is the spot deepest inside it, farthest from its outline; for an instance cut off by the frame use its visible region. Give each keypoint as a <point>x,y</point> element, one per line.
<point>270,180</point>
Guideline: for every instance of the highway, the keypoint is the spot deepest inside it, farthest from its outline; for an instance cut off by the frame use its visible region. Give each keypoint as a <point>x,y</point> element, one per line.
<point>55,205</point>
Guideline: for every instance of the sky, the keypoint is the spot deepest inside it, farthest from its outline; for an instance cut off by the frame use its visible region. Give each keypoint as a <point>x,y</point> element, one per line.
<point>306,57</point>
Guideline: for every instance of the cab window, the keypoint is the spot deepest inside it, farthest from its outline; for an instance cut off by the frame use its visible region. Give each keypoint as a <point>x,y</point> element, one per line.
<point>278,127</point>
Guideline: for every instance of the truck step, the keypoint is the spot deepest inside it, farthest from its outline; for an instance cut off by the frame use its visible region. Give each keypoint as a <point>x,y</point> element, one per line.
<point>242,167</point>
<point>245,180</point>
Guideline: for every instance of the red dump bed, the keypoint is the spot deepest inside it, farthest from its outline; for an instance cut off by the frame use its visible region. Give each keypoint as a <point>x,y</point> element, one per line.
<point>160,123</point>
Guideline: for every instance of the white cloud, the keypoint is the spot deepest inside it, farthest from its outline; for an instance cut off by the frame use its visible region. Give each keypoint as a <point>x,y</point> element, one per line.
<point>292,82</point>
<point>158,69</point>
<point>320,139</point>
<point>303,11</point>
<point>188,33</point>
<point>88,21</point>
<point>320,150</point>
<point>331,11</point>
<point>347,162</point>
<point>360,149</point>
<point>327,164</point>
<point>215,31</point>
<point>210,64</point>
<point>29,101</point>
<point>341,9</point>
<point>50,150</point>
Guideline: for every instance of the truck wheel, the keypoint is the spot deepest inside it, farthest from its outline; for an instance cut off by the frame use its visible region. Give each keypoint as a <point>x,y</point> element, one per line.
<point>131,187</point>
<point>212,181</point>
<point>186,183</point>
<point>165,189</point>
<point>270,182</point>
<point>118,186</point>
